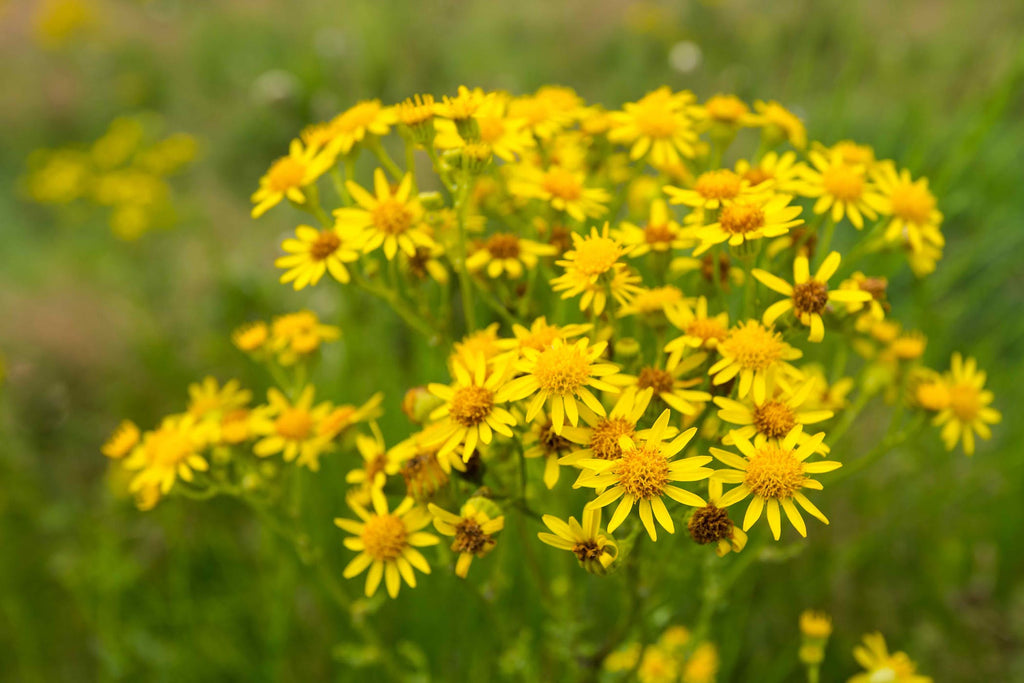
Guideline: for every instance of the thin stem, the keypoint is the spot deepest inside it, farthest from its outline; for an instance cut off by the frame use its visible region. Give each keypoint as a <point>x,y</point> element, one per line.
<point>465,282</point>
<point>413,319</point>
<point>373,144</point>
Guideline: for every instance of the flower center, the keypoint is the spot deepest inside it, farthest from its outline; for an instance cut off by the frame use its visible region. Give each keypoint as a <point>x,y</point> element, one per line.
<point>655,378</point>
<point>908,346</point>
<point>739,219</point>
<point>933,395</point>
<point>774,419</point>
<point>294,424</point>
<point>753,346</point>
<point>359,116</point>
<point>561,370</point>
<point>561,183</point>
<point>418,110</point>
<point>503,245</point>
<point>656,121</point>
<point>170,448</point>
<point>913,204</point>
<point>471,405</point>
<point>418,262</point>
<point>587,550</point>
<point>491,129</point>
<point>774,472</point>
<point>551,442</point>
<point>965,401</point>
<point>286,173</point>
<point>757,175</point>
<point>659,234</point>
<point>710,524</point>
<point>720,184</point>
<point>604,439</point>
<point>596,255</point>
<point>810,297</point>
<point>423,475</point>
<point>706,329</point>
<point>642,472</point>
<point>845,183</point>
<point>326,243</point>
<point>384,537</point>
<point>708,268</point>
<point>470,538</point>
<point>392,217</point>
<point>725,108</point>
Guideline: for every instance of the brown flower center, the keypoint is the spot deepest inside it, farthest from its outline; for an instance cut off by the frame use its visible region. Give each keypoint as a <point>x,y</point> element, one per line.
<point>739,219</point>
<point>810,297</point>
<point>710,524</point>
<point>655,378</point>
<point>326,243</point>
<point>470,538</point>
<point>503,245</point>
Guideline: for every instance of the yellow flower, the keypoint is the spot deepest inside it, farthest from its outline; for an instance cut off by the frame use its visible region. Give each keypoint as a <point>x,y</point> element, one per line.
<point>700,330</point>
<point>780,124</point>
<point>702,665</point>
<point>470,413</point>
<point>657,666</point>
<point>288,175</point>
<point>542,442</point>
<point>727,110</point>
<point>473,530</point>
<point>808,296</point>
<point>386,543</point>
<point>968,412</point>
<point>426,262</point>
<point>749,219</point>
<point>670,384</point>
<point>600,438</point>
<point>875,286</point>
<point>122,440</point>
<point>643,474</point>
<point>842,189</point>
<point>208,400</point>
<point>418,114</point>
<point>659,124</point>
<point>291,428</point>
<point>879,665</point>
<point>815,624</point>
<point>660,234</point>
<point>774,473</point>
<point>541,334</point>
<point>251,336</point>
<point>508,137</point>
<point>656,303</point>
<point>351,126</point>
<point>711,524</point>
<point>464,105</point>
<point>779,172</point>
<point>560,376</point>
<point>773,418</point>
<point>171,451</point>
<point>294,336</point>
<point>714,189</point>
<point>593,269</point>
<point>314,252</point>
<point>393,219</point>
<point>594,550</point>
<point>756,354</point>
<point>505,253</point>
<point>378,465</point>
<point>560,186</point>
<point>911,204</point>
<point>549,111</point>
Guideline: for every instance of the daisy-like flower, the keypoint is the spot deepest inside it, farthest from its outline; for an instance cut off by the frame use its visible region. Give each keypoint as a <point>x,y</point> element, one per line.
<point>879,665</point>
<point>559,376</point>
<point>541,334</point>
<point>779,172</point>
<point>251,336</point>
<point>560,186</point>
<point>291,428</point>
<point>726,110</point>
<point>387,544</point>
<point>644,474</point>
<point>660,124</point>
<point>775,473</point>
<point>312,252</point>
<point>711,524</point>
<point>295,336</point>
<point>772,418</point>
<point>417,113</point>
<point>654,304</point>
<point>210,400</point>
<point>968,412</point>
<point>392,219</point>
<point>289,175</point>
<point>470,412</point>
<point>351,126</point>
<point>780,124</point>
<point>172,451</point>
<point>671,385</point>
<point>542,442</point>
<point>842,189</point>
<point>713,190</point>
<point>121,441</point>
<point>749,219</point>
<point>506,254</point>
<point>594,550</point>
<point>473,530</point>
<point>808,296</point>
<point>875,286</point>
<point>464,105</point>
<point>508,137</point>
<point>591,268</point>
<point>483,342</point>
<point>600,437</point>
<point>815,624</point>
<point>756,354</point>
<point>377,466</point>
<point>660,234</point>
<point>426,262</point>
<point>549,111</point>
<point>911,205</point>
<point>700,329</point>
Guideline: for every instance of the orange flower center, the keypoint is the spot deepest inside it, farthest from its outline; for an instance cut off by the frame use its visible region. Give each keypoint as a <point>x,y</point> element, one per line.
<point>471,405</point>
<point>774,472</point>
<point>753,346</point>
<point>706,329</point>
<point>604,439</point>
<point>561,370</point>
<point>170,447</point>
<point>720,184</point>
<point>659,234</point>
<point>739,219</point>
<point>643,472</point>
<point>561,183</point>
<point>913,203</point>
<point>384,537</point>
<point>596,255</point>
<point>392,217</point>
<point>326,243</point>
<point>965,400</point>
<point>285,174</point>
<point>655,378</point>
<point>294,424</point>
<point>845,183</point>
<point>774,419</point>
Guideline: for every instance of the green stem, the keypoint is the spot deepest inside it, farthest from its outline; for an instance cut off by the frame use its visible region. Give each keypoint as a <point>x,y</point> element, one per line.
<point>413,319</point>
<point>373,144</point>
<point>826,242</point>
<point>465,281</point>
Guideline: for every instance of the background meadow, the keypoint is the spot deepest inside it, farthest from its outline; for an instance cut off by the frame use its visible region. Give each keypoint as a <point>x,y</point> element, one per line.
<point>924,547</point>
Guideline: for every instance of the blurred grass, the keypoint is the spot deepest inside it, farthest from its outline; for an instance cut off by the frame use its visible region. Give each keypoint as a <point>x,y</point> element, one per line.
<point>924,548</point>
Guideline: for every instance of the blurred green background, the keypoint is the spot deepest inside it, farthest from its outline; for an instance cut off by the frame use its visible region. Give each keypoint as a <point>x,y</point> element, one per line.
<point>925,547</point>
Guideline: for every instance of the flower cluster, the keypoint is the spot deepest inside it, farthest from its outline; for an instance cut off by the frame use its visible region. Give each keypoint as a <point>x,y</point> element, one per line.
<point>126,172</point>
<point>645,323</point>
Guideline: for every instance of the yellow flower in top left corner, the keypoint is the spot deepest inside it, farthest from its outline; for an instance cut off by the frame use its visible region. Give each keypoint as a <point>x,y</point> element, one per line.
<point>312,252</point>
<point>392,218</point>
<point>290,428</point>
<point>288,175</point>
